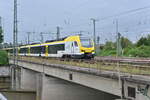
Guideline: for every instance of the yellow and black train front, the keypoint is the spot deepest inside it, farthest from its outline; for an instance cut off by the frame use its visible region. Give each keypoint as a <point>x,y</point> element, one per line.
<point>87,47</point>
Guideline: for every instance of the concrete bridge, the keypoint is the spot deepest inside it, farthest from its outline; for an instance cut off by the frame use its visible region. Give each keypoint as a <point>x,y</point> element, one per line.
<point>133,87</point>
<point>5,82</point>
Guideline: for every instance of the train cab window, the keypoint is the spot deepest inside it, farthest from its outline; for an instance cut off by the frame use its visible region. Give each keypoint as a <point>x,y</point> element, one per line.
<point>75,44</point>
<point>86,42</point>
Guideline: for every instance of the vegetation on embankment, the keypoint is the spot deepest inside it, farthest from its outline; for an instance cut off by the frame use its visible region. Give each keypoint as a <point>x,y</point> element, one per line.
<point>139,49</point>
<point>3,58</point>
<point>3,54</point>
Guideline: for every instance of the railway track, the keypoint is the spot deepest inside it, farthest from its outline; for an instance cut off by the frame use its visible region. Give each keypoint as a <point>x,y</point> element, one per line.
<point>137,61</point>
<point>104,60</point>
<point>106,63</point>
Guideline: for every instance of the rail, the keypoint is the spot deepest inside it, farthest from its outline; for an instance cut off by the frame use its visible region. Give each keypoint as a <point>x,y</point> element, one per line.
<point>130,68</point>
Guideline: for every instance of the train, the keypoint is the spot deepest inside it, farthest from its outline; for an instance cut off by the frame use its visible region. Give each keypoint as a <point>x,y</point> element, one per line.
<point>68,47</point>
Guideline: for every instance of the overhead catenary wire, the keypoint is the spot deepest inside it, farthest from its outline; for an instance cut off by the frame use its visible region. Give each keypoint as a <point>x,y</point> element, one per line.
<point>112,16</point>
<point>126,12</point>
<point>107,17</point>
<point>119,14</point>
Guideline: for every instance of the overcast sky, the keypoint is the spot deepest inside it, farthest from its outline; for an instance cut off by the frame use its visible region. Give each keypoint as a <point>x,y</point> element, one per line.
<point>74,16</point>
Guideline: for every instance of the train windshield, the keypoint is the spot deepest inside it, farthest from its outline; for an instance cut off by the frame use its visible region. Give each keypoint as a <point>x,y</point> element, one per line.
<point>86,42</point>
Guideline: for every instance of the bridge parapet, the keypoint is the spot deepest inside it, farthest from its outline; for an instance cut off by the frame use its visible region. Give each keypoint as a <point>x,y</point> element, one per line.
<point>4,71</point>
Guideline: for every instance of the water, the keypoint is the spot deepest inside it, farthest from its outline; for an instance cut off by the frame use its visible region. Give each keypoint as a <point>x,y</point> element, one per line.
<point>19,96</point>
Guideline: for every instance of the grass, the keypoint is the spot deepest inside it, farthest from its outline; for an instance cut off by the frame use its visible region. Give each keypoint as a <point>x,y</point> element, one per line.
<point>142,51</point>
<point>3,58</point>
<point>103,66</point>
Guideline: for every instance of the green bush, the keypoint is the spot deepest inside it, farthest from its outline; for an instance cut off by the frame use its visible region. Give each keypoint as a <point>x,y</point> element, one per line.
<point>3,57</point>
<point>142,51</point>
<point>107,53</point>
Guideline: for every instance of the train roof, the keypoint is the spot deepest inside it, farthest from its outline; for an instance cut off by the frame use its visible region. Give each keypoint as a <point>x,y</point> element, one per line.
<point>61,40</point>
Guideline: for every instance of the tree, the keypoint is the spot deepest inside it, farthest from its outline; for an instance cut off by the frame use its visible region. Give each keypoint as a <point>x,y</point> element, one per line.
<point>148,39</point>
<point>144,41</point>
<point>125,42</point>
<point>109,45</point>
<point>1,35</point>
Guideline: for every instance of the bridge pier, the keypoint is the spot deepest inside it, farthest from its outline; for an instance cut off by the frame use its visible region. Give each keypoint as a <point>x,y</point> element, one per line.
<point>15,77</point>
<point>28,79</point>
<point>5,81</point>
<point>39,86</point>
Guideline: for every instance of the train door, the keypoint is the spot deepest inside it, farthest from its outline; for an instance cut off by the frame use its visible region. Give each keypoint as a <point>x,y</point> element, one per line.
<point>46,51</point>
<point>28,51</point>
<point>68,47</point>
<point>72,47</point>
<point>75,47</point>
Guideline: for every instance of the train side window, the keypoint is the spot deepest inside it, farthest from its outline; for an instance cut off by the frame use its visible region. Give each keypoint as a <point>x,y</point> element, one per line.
<point>52,49</point>
<point>23,50</point>
<point>76,44</point>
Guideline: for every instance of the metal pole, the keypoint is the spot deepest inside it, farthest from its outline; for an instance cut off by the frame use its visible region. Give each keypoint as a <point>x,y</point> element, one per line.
<point>117,33</point>
<point>118,40</point>
<point>0,21</point>
<point>28,37</point>
<point>14,31</point>
<point>16,69</point>
<point>118,54</point>
<point>58,32</point>
<point>94,32</point>
<point>1,45</point>
<point>15,39</point>
<point>42,39</point>
<point>80,33</point>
